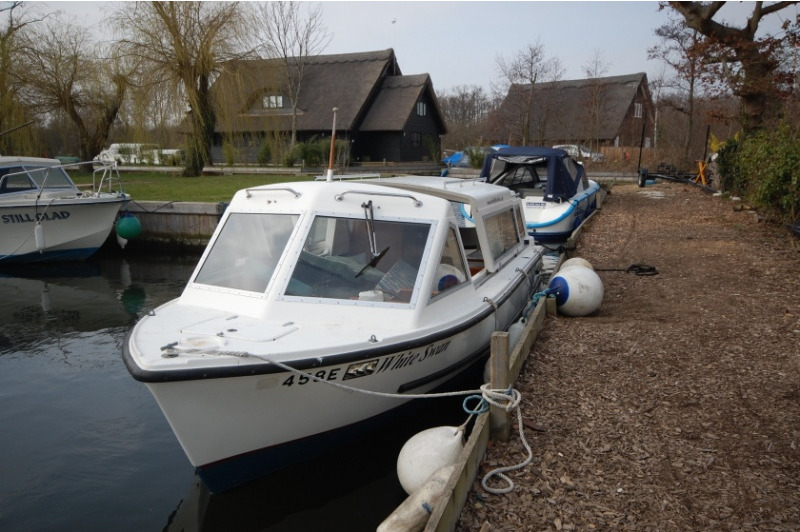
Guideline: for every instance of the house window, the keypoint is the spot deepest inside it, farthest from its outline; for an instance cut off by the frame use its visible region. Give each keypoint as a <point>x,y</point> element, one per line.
<point>422,109</point>
<point>416,140</point>
<point>272,101</point>
<point>637,110</point>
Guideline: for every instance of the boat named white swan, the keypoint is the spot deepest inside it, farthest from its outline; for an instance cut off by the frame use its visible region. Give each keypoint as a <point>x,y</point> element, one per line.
<point>308,290</point>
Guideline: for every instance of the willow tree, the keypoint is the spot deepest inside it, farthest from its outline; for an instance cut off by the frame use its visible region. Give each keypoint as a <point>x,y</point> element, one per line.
<point>750,65</point>
<point>184,44</point>
<point>65,71</point>
<point>13,114</point>
<point>294,40</point>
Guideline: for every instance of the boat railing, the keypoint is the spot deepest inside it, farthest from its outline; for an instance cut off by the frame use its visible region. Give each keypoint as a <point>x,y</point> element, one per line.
<point>109,178</point>
<point>249,191</point>
<point>340,197</point>
<point>461,183</point>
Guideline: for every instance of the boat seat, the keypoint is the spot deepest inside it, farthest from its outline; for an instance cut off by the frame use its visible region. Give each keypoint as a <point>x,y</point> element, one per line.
<point>399,281</point>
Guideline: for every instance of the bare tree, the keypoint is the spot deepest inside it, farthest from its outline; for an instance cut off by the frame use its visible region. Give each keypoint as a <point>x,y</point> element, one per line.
<point>676,50</point>
<point>594,69</point>
<point>65,71</point>
<point>295,40</point>
<point>519,76</point>
<point>183,44</point>
<point>464,110</point>
<point>748,64</point>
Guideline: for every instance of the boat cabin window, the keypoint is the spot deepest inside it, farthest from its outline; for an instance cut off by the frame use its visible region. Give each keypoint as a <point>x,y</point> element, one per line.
<point>246,252</point>
<point>451,269</point>
<point>20,178</point>
<point>366,259</point>
<point>504,230</point>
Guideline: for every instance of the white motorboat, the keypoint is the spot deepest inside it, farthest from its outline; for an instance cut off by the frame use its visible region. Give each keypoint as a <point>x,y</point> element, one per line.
<point>556,194</point>
<point>45,217</point>
<point>308,291</point>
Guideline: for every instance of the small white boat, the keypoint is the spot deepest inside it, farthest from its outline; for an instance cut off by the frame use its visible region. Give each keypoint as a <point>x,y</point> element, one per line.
<point>556,194</point>
<point>45,217</point>
<point>309,290</point>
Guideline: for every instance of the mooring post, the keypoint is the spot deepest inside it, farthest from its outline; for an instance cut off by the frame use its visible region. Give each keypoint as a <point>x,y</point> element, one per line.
<point>498,378</point>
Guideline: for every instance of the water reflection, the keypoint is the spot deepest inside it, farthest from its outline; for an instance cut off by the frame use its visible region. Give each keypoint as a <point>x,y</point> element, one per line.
<point>51,300</point>
<point>85,446</point>
<point>353,488</point>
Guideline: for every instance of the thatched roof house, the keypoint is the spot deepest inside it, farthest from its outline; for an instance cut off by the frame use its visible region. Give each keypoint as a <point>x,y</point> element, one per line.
<point>610,111</point>
<point>382,113</point>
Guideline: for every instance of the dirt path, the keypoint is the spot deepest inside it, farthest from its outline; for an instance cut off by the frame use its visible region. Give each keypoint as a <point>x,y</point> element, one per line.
<point>676,406</point>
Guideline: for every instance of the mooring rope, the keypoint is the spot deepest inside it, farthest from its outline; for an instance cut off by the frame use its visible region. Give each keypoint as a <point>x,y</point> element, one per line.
<point>508,400</point>
<point>638,269</point>
<point>344,387</point>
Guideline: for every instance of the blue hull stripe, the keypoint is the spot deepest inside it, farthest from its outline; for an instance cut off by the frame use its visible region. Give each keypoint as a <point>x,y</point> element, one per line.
<point>46,256</point>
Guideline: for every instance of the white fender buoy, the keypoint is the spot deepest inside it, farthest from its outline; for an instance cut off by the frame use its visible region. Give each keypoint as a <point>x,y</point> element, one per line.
<point>515,332</point>
<point>38,235</point>
<point>125,274</point>
<point>578,291</point>
<point>121,241</point>
<point>413,513</point>
<point>576,261</point>
<point>46,303</point>
<point>426,452</point>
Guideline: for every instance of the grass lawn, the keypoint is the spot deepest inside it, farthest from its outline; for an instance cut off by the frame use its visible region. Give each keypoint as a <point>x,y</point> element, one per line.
<point>159,186</point>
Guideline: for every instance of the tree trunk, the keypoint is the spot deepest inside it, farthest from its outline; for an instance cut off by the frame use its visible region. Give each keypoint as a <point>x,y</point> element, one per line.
<point>198,152</point>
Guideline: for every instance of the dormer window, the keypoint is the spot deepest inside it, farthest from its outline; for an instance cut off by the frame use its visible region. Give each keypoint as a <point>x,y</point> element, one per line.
<point>637,110</point>
<point>422,109</point>
<point>272,101</point>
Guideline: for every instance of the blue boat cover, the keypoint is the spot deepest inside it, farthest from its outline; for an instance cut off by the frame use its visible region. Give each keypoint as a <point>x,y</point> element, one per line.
<point>563,173</point>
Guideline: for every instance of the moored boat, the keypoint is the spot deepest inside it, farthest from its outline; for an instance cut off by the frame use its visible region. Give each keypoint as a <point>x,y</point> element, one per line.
<point>308,291</point>
<point>556,194</point>
<point>45,217</point>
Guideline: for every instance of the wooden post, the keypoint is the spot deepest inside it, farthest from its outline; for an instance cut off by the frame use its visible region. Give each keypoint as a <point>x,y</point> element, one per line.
<point>499,377</point>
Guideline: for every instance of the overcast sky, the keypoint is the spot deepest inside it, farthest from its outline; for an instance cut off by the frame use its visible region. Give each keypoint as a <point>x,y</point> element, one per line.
<point>458,43</point>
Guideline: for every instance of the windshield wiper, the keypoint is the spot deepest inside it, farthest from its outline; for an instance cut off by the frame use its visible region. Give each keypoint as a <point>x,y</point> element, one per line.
<point>369,217</point>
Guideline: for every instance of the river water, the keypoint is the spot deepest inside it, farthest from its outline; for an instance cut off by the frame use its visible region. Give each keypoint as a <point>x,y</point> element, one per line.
<point>83,446</point>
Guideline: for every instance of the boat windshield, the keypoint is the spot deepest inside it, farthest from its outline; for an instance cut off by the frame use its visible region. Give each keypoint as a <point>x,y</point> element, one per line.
<point>22,178</point>
<point>360,259</point>
<point>246,252</point>
<point>519,171</point>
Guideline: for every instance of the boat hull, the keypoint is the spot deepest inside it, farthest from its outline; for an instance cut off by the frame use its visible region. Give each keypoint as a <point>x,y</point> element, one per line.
<point>232,433</point>
<point>72,229</point>
<point>551,222</point>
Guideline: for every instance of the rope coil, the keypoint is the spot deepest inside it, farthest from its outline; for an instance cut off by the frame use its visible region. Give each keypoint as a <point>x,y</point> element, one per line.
<point>507,400</point>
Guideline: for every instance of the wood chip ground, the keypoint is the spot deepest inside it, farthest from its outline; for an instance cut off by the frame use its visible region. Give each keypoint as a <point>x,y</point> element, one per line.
<point>677,405</point>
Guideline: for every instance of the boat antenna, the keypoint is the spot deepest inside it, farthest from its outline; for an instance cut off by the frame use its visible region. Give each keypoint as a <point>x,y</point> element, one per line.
<point>329,175</point>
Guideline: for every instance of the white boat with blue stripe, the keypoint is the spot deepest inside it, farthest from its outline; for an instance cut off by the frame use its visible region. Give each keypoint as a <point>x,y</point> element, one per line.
<point>556,194</point>
<point>45,217</point>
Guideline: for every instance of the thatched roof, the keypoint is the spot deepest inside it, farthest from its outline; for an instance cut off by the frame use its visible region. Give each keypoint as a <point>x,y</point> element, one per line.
<point>348,82</point>
<point>395,102</point>
<point>563,109</point>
